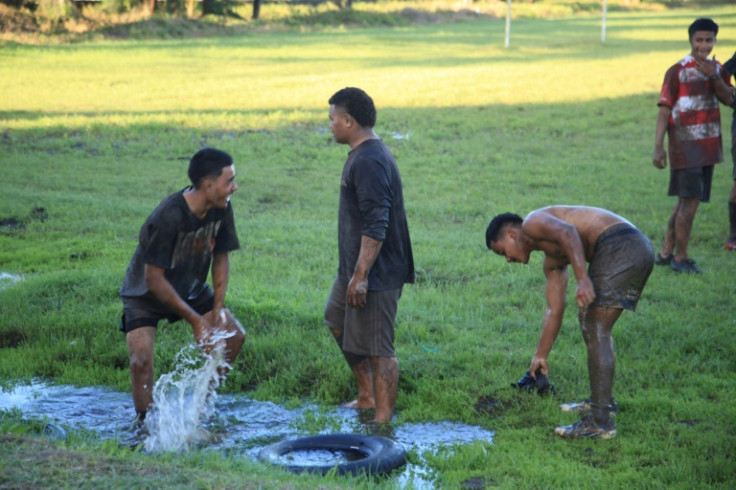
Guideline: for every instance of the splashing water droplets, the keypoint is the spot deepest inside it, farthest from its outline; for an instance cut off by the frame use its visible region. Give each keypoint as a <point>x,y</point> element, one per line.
<point>185,398</point>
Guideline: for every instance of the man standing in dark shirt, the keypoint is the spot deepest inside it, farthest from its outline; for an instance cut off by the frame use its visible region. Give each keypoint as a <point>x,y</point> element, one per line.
<point>166,278</point>
<point>375,256</point>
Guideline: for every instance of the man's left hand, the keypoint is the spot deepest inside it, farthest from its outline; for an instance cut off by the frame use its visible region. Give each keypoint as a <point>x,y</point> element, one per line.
<point>357,292</point>
<point>584,294</point>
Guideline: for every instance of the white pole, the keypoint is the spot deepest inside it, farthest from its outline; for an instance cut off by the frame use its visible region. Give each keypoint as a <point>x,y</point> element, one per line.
<point>508,21</point>
<point>603,23</point>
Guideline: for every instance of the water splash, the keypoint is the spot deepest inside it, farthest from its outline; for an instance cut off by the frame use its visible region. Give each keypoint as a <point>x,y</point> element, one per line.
<point>184,399</point>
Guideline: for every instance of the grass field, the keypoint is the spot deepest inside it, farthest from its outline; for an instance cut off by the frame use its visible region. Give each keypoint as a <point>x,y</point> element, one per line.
<point>97,133</point>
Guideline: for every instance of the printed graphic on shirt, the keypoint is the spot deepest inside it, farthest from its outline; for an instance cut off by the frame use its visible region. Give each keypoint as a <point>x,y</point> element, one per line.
<point>198,243</point>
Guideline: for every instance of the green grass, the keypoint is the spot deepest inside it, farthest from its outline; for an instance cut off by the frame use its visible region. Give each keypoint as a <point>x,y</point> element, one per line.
<point>97,133</point>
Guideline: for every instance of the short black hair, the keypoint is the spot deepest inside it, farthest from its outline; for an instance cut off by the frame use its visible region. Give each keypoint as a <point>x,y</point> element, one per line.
<point>497,224</point>
<point>207,163</point>
<point>357,103</point>
<point>702,24</point>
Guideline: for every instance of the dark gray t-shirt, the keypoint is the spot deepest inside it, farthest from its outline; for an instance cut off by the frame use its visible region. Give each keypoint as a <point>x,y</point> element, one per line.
<point>174,238</point>
<point>372,204</point>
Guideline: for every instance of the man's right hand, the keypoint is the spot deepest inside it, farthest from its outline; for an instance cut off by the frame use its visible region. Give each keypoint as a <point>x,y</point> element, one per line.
<point>584,293</point>
<point>539,364</point>
<point>660,158</point>
<point>201,328</point>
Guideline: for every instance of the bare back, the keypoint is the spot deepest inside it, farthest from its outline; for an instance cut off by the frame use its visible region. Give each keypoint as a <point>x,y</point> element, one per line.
<point>589,222</point>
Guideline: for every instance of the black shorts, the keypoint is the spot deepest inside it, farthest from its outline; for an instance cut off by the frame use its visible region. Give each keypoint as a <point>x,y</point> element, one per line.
<point>621,264</point>
<point>367,331</point>
<point>144,312</point>
<point>691,183</point>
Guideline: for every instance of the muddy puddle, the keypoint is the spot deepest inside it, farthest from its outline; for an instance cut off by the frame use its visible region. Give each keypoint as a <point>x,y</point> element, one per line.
<point>237,425</point>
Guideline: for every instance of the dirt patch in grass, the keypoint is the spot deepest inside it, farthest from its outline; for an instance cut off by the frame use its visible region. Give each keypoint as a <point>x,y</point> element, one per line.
<point>11,338</point>
<point>491,405</point>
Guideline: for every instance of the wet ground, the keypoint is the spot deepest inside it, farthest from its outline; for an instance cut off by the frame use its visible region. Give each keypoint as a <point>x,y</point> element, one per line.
<point>238,425</point>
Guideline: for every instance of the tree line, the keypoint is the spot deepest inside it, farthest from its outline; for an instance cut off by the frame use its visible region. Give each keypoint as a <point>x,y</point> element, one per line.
<point>182,8</point>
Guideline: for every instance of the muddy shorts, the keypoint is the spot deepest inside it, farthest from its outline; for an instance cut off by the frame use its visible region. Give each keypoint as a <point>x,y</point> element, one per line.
<point>620,267</point>
<point>367,331</point>
<point>143,312</point>
<point>691,183</point>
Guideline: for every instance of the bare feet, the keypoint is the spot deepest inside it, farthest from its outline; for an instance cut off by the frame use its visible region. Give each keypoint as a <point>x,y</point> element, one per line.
<point>360,404</point>
<point>377,428</point>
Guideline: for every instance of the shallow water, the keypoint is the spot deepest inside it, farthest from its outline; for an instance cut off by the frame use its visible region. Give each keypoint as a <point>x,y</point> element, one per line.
<point>321,457</point>
<point>237,426</point>
<point>7,279</point>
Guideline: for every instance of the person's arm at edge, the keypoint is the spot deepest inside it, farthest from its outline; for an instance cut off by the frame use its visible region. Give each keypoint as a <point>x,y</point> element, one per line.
<point>723,90</point>
<point>730,65</point>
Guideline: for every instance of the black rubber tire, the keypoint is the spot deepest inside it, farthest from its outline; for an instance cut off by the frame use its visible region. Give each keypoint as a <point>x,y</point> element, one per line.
<point>381,454</point>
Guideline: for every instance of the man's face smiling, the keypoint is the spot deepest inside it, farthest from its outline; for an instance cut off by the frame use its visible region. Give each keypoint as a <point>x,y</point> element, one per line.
<point>702,43</point>
<point>223,187</point>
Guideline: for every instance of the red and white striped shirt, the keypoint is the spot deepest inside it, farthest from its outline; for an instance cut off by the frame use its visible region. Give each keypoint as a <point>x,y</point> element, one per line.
<point>694,130</point>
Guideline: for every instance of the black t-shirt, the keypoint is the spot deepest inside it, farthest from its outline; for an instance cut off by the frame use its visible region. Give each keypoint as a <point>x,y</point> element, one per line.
<point>372,204</point>
<point>175,239</point>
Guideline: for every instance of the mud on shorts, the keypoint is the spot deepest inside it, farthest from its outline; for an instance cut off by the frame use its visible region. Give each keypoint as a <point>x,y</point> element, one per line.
<point>691,183</point>
<point>367,331</point>
<point>621,264</point>
<point>144,312</point>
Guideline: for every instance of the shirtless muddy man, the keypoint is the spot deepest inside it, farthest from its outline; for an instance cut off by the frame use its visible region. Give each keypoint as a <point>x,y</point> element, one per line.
<point>620,259</point>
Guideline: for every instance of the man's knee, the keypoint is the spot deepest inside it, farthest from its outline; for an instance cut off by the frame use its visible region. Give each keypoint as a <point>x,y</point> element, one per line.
<point>140,350</point>
<point>234,326</point>
<point>141,364</point>
<point>690,206</point>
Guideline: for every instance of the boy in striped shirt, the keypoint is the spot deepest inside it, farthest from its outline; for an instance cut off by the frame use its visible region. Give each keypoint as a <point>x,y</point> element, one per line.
<point>689,115</point>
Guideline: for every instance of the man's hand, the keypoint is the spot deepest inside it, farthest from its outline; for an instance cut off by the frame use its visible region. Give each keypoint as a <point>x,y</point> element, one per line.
<point>707,67</point>
<point>357,292</point>
<point>206,326</point>
<point>584,294</point>
<point>538,366</point>
<point>659,159</point>
<point>200,327</point>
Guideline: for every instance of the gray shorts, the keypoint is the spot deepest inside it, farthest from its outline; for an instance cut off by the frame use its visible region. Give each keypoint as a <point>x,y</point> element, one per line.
<point>144,312</point>
<point>367,331</point>
<point>620,267</point>
<point>691,183</point>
